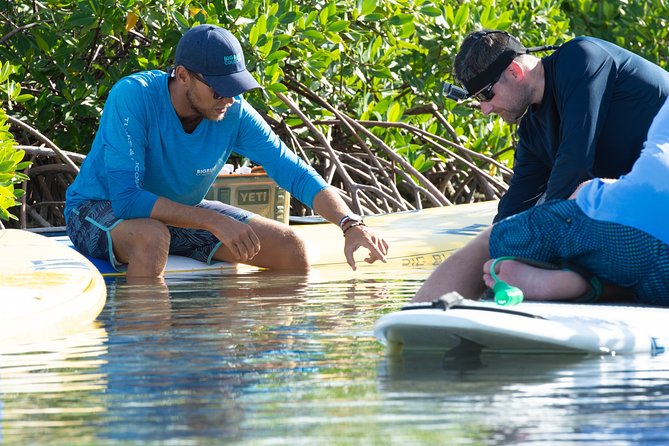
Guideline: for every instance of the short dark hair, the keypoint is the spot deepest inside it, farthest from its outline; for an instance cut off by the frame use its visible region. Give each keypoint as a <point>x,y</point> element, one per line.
<point>480,50</point>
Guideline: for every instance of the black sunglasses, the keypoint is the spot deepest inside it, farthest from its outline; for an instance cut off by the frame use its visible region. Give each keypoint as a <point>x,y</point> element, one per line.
<point>197,76</point>
<point>485,94</point>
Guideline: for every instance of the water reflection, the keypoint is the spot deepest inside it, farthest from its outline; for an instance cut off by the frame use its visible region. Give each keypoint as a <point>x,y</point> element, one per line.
<point>268,358</point>
<point>553,399</point>
<point>195,353</point>
<point>180,357</point>
<point>53,386</point>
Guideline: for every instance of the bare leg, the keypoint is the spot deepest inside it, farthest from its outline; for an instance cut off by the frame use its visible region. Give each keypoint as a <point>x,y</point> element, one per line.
<point>143,244</point>
<point>460,272</point>
<point>538,283</point>
<point>280,247</point>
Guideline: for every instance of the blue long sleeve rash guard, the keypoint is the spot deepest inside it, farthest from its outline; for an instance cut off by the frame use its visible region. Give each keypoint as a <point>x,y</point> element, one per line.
<point>599,101</point>
<point>141,151</point>
<point>639,199</point>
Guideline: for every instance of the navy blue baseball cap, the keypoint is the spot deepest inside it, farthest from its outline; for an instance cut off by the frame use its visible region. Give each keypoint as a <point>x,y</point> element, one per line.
<point>217,55</point>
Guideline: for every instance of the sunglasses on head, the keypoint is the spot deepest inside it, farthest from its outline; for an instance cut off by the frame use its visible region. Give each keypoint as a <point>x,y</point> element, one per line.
<point>199,77</point>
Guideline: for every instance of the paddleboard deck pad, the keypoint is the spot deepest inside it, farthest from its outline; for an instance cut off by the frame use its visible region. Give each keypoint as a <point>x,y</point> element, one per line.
<point>46,289</point>
<point>530,327</point>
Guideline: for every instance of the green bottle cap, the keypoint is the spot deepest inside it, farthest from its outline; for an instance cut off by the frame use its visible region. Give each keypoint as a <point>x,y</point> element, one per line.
<point>505,294</point>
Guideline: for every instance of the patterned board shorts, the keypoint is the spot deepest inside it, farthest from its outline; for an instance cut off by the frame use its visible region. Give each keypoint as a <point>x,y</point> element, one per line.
<point>89,226</point>
<point>559,232</point>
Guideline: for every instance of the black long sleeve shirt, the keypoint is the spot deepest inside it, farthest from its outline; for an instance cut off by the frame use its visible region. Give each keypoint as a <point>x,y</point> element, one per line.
<point>599,101</point>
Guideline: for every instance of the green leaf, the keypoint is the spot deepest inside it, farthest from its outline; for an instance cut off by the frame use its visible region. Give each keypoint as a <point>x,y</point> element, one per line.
<point>505,20</point>
<point>277,88</point>
<point>333,37</point>
<point>261,25</point>
<point>81,19</point>
<point>41,43</point>
<point>488,19</point>
<point>4,215</point>
<point>310,18</point>
<point>462,16</point>
<point>18,156</point>
<point>277,55</point>
<point>374,16</point>
<point>359,74</point>
<point>408,29</point>
<point>382,71</point>
<point>422,163</point>
<point>253,35</point>
<point>367,7</point>
<point>430,11</point>
<point>267,47</point>
<point>323,16</point>
<point>449,14</point>
<point>312,34</point>
<point>338,26</point>
<point>288,17</point>
<point>5,71</point>
<point>23,97</point>
<point>400,19</point>
<point>395,112</point>
<point>7,165</point>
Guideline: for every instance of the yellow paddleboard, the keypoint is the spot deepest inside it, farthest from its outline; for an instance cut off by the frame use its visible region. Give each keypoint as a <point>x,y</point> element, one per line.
<point>46,288</point>
<point>417,239</point>
<point>422,238</point>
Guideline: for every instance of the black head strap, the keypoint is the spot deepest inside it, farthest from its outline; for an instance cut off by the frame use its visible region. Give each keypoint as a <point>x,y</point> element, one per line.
<point>491,73</point>
<point>497,67</point>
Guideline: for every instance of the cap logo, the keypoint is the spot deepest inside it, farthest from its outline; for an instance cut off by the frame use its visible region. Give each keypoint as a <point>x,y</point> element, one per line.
<point>231,60</point>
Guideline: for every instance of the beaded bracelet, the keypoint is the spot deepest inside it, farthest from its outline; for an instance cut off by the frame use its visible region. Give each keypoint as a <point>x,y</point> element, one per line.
<point>353,225</point>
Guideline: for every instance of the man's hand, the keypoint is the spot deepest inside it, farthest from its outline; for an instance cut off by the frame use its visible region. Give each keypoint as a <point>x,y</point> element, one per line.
<point>360,236</point>
<point>238,237</point>
<point>332,207</point>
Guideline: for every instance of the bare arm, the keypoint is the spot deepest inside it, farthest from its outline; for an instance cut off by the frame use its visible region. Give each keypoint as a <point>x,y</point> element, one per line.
<point>329,205</point>
<point>238,237</point>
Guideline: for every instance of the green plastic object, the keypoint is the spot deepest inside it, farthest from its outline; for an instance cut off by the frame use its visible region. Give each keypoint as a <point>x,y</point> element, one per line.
<point>505,294</point>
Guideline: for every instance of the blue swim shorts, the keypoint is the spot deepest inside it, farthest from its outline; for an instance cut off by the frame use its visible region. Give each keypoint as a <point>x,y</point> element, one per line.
<point>90,223</point>
<point>558,232</point>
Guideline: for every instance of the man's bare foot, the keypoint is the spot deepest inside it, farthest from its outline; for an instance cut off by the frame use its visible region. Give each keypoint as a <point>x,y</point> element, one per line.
<point>537,283</point>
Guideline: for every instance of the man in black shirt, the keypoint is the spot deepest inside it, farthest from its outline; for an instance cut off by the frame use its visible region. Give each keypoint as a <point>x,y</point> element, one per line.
<point>583,111</point>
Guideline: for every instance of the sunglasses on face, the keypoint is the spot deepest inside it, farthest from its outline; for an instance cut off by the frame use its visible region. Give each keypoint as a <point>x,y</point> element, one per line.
<point>197,76</point>
<point>486,94</point>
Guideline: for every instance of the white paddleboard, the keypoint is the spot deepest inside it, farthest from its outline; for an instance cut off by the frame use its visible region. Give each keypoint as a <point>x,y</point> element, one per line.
<point>530,327</point>
<point>417,239</point>
<point>46,289</point>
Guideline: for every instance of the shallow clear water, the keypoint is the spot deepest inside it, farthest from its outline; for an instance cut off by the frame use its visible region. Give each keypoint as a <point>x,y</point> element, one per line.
<point>262,358</point>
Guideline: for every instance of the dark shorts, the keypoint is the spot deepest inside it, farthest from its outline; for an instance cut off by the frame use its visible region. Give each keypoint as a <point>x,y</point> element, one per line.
<point>559,232</point>
<point>90,223</point>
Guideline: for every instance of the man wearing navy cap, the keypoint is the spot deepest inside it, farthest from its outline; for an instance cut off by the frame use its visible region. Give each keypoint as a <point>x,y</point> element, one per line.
<point>163,138</point>
<point>583,111</point>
